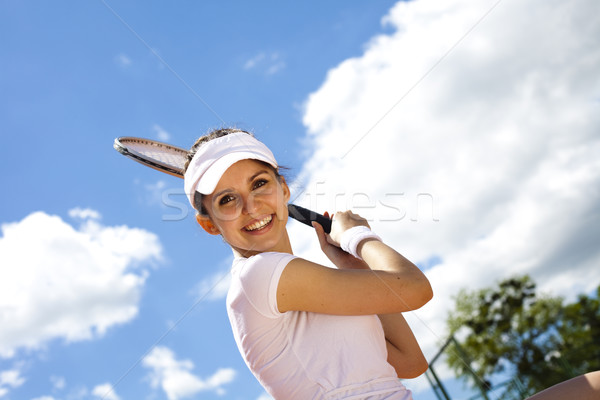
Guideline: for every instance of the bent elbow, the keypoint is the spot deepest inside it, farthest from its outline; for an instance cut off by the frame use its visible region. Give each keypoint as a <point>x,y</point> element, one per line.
<point>424,293</point>
<point>419,369</point>
<point>427,292</point>
<point>414,370</point>
<point>415,294</point>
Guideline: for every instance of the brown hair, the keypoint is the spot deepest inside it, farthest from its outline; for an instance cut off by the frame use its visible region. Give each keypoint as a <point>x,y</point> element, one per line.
<point>217,133</point>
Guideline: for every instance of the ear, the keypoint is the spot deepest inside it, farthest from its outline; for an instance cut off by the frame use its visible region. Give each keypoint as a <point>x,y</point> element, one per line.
<point>207,224</point>
<point>286,190</point>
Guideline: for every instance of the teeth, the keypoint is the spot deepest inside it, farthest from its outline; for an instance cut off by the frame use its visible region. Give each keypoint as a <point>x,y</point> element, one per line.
<point>259,224</point>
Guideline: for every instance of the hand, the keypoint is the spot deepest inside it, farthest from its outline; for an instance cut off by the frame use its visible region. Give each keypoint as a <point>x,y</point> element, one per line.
<point>343,221</point>
<point>336,255</point>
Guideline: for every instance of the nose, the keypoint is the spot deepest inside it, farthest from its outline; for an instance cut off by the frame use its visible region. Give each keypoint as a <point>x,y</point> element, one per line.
<point>250,205</point>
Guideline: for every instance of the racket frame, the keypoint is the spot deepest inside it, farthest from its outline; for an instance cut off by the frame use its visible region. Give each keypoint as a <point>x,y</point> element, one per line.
<point>298,213</point>
<point>120,145</point>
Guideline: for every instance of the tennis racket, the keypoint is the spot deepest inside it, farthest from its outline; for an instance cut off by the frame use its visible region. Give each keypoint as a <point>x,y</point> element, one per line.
<point>171,160</point>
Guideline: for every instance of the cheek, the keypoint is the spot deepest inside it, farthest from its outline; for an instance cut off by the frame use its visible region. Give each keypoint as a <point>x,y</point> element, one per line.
<point>224,224</point>
<point>281,204</point>
<point>227,212</point>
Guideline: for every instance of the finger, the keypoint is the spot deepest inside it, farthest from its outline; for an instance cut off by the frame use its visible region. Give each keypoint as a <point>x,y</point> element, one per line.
<point>316,225</point>
<point>320,233</point>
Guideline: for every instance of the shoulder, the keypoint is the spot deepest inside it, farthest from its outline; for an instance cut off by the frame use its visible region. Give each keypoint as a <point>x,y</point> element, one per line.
<point>244,266</point>
<point>256,278</point>
<point>260,269</point>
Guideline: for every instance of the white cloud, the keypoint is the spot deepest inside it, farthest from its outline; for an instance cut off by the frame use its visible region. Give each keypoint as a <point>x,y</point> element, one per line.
<point>169,196</point>
<point>253,62</point>
<point>155,191</point>
<point>58,382</point>
<point>275,64</point>
<point>215,287</point>
<point>269,64</point>
<point>176,379</point>
<point>57,281</point>
<point>490,165</point>
<point>78,392</point>
<point>105,391</point>
<point>10,379</point>
<point>160,133</point>
<point>123,60</point>
<point>84,213</point>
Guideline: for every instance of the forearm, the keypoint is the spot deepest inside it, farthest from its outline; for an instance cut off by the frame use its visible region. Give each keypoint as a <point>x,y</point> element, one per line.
<point>407,281</point>
<point>380,256</point>
<point>404,352</point>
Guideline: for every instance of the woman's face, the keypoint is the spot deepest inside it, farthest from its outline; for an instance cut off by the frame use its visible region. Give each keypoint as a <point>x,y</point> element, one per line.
<point>249,208</point>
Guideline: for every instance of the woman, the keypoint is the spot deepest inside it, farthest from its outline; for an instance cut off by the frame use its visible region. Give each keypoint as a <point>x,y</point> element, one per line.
<point>306,331</point>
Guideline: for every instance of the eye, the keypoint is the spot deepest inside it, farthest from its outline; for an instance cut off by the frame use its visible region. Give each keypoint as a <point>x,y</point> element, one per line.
<point>259,183</point>
<point>226,199</point>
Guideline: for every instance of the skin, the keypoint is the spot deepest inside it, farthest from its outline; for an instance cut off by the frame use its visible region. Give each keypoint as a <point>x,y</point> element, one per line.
<point>385,283</point>
<point>583,387</point>
<point>404,353</point>
<point>247,193</point>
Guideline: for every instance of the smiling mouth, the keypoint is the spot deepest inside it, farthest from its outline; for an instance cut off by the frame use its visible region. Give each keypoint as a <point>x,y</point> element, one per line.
<point>259,224</point>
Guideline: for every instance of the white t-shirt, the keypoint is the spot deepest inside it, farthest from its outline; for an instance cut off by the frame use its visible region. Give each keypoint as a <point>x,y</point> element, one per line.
<point>303,355</point>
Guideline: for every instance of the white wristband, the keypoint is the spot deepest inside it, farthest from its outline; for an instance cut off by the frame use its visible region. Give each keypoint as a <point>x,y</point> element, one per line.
<point>352,237</point>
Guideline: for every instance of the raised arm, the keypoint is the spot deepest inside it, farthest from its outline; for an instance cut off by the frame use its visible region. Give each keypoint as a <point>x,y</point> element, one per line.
<point>404,352</point>
<point>385,283</point>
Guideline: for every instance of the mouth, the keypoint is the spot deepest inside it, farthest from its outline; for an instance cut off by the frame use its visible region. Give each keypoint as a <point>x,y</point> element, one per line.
<point>258,225</point>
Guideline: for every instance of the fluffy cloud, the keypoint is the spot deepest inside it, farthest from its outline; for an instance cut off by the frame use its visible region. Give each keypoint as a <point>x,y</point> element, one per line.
<point>10,379</point>
<point>215,286</point>
<point>470,138</point>
<point>84,213</point>
<point>160,133</point>
<point>105,391</point>
<point>123,61</point>
<point>270,63</point>
<point>175,376</point>
<point>59,281</point>
<point>58,382</point>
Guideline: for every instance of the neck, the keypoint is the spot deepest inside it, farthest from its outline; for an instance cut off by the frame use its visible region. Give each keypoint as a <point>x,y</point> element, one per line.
<point>283,246</point>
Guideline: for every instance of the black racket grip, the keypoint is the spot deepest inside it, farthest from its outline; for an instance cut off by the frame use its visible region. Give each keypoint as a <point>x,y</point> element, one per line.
<point>306,216</point>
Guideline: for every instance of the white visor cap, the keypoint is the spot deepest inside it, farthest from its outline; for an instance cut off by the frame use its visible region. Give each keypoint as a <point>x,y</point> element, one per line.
<point>214,157</point>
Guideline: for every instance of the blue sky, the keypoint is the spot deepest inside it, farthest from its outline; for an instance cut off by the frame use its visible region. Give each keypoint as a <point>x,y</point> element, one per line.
<point>471,147</point>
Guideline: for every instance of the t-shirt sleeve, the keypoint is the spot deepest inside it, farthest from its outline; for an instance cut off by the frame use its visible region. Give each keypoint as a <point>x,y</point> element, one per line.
<point>259,278</point>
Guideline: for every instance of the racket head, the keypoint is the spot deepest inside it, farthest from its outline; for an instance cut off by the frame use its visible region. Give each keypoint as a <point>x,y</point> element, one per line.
<point>154,154</point>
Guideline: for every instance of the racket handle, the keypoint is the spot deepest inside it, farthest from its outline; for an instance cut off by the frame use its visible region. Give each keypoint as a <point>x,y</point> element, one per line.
<point>306,216</point>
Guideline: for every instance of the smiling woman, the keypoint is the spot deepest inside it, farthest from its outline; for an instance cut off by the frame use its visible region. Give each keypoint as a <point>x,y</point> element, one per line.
<point>306,331</point>
<point>248,208</point>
